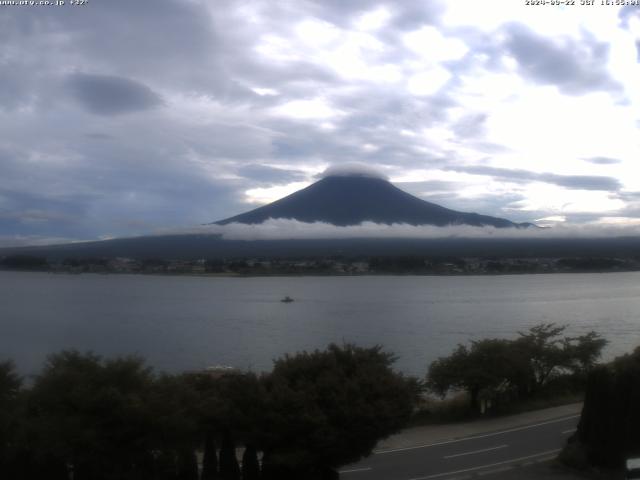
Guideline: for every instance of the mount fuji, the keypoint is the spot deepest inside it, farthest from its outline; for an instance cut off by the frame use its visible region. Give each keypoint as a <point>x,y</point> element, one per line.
<point>350,199</point>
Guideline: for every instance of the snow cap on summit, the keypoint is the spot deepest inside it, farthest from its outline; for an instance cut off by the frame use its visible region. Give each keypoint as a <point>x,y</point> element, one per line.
<point>353,169</point>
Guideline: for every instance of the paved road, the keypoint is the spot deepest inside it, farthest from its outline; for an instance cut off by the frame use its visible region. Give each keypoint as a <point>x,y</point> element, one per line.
<point>478,455</point>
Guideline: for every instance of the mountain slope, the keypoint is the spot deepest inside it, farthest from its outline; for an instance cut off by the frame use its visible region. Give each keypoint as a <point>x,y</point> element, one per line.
<point>350,200</point>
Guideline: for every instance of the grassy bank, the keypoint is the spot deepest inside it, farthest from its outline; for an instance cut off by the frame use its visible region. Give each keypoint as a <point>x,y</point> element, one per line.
<point>435,411</point>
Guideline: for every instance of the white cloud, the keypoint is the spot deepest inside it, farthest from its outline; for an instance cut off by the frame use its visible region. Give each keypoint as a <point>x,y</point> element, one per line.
<point>277,48</point>
<point>553,22</point>
<point>547,131</point>
<point>558,201</point>
<point>553,218</point>
<point>285,229</point>
<point>373,19</point>
<point>350,54</point>
<point>428,82</point>
<point>317,108</point>
<point>619,221</point>
<point>265,91</point>
<point>431,45</point>
<point>266,195</point>
<point>32,240</point>
<point>318,34</point>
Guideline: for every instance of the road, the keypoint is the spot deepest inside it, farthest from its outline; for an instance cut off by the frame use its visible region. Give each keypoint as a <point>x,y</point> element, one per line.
<point>478,455</point>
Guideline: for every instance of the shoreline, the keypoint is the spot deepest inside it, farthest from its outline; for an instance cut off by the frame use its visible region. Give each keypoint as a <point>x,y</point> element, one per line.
<point>333,274</point>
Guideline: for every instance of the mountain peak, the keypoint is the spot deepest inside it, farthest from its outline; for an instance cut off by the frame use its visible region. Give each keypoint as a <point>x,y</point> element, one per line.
<point>349,197</point>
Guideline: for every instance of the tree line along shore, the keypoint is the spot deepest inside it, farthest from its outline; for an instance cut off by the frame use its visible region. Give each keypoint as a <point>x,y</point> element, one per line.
<point>90,418</point>
<point>329,265</point>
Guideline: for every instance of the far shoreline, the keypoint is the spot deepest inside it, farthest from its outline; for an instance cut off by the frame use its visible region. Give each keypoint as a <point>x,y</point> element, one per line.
<point>317,275</point>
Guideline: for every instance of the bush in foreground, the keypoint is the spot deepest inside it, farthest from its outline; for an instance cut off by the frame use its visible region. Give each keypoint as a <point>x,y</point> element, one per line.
<point>609,428</point>
<point>329,408</point>
<point>108,419</point>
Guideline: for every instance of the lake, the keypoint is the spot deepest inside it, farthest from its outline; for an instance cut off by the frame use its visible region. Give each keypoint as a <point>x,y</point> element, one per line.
<point>184,323</point>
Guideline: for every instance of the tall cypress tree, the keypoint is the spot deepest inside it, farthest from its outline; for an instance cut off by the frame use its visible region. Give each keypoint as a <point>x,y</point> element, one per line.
<point>165,466</point>
<point>250,464</point>
<point>187,465</point>
<point>210,459</point>
<point>229,469</point>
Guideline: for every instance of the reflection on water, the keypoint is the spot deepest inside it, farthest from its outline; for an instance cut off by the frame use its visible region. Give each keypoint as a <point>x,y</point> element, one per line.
<point>180,323</point>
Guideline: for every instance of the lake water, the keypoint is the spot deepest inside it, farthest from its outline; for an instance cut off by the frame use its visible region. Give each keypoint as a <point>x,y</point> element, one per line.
<point>182,323</point>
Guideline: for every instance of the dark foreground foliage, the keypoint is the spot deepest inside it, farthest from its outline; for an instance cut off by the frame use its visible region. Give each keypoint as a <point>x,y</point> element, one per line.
<point>609,428</point>
<point>329,408</point>
<point>115,419</point>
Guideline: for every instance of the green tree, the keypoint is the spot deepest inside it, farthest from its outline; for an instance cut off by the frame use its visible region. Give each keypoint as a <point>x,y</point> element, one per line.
<point>175,429</point>
<point>93,414</point>
<point>231,403</point>
<point>496,368</point>
<point>543,346</point>
<point>551,355</point>
<point>583,352</point>
<point>329,408</point>
<point>488,366</point>
<point>229,407</point>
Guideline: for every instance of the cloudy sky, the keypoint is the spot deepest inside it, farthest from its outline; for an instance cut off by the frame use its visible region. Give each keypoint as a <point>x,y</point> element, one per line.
<point>126,117</point>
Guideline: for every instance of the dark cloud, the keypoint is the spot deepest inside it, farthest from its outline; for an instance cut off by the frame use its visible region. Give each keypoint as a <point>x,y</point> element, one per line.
<point>413,15</point>
<point>337,11</point>
<point>30,213</point>
<point>270,175</point>
<point>111,95</point>
<point>99,136</point>
<point>472,125</point>
<point>627,12</point>
<point>635,196</point>
<point>405,14</point>
<point>574,66</point>
<point>15,90</point>
<point>353,169</point>
<point>602,160</point>
<point>112,190</point>
<point>576,182</point>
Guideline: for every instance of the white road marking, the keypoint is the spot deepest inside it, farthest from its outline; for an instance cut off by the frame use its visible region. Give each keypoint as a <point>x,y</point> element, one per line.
<point>354,470</point>
<point>477,451</point>
<point>568,431</point>
<point>516,429</point>
<point>496,470</point>
<point>513,460</point>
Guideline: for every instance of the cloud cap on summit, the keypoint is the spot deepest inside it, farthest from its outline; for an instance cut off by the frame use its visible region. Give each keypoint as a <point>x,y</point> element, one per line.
<point>353,169</point>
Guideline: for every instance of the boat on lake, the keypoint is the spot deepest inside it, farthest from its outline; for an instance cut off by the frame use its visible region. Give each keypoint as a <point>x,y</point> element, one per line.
<point>287,299</point>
